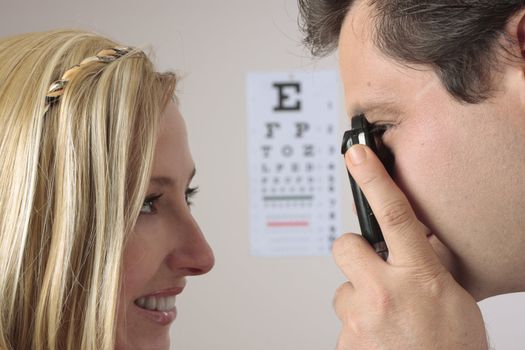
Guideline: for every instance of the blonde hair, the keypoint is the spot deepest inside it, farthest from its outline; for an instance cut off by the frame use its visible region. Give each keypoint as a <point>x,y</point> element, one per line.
<point>72,182</point>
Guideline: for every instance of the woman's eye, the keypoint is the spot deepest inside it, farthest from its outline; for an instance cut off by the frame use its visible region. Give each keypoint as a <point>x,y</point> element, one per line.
<point>190,193</point>
<point>149,207</point>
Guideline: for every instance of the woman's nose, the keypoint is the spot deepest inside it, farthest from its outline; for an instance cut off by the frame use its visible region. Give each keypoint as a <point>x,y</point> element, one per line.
<point>192,255</point>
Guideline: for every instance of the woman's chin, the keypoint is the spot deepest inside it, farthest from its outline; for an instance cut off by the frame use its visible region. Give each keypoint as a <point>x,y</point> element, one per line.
<point>144,339</point>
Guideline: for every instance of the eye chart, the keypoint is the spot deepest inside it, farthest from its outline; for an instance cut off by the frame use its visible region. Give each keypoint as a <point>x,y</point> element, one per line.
<point>293,155</point>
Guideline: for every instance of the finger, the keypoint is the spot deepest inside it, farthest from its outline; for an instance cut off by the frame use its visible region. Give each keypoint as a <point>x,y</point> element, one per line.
<point>342,301</point>
<point>344,341</point>
<point>356,258</point>
<point>403,233</point>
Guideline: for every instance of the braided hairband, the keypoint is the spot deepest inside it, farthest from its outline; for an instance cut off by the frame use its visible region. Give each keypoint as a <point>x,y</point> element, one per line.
<point>106,56</point>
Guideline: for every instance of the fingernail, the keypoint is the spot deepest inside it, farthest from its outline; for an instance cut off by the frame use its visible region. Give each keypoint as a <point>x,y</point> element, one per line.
<point>357,154</point>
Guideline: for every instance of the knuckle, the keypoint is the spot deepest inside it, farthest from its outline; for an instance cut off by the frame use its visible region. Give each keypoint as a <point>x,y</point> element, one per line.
<point>340,345</point>
<point>368,311</point>
<point>343,245</point>
<point>434,282</point>
<point>359,327</point>
<point>435,288</point>
<point>348,251</point>
<point>396,214</point>
<point>345,340</point>
<point>343,289</point>
<point>340,300</point>
<point>338,245</point>
<point>380,301</point>
<point>383,301</point>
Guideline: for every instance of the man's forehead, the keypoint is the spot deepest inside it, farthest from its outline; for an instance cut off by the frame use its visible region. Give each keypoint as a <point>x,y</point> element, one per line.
<point>375,83</point>
<point>366,86</point>
<point>358,21</point>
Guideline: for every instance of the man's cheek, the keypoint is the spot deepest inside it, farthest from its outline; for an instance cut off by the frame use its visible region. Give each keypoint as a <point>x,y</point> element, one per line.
<point>419,175</point>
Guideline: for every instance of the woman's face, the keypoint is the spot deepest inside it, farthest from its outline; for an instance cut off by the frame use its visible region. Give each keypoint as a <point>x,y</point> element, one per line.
<point>165,247</point>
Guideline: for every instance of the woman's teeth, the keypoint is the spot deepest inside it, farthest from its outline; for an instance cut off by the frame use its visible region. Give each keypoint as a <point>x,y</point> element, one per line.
<point>156,303</point>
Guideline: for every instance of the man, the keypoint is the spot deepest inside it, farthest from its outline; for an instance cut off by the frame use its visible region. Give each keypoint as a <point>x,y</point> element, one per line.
<point>447,79</point>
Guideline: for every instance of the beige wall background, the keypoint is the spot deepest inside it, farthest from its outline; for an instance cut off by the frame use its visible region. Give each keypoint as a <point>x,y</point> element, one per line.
<point>245,303</point>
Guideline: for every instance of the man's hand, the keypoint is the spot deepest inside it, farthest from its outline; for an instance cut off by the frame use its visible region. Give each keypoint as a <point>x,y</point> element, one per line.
<point>410,301</point>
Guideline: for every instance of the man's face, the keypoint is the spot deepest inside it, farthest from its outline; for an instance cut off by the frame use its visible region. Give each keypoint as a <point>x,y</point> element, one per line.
<point>461,165</point>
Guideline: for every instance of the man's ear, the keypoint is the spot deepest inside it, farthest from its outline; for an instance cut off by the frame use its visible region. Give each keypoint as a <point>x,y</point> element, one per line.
<point>516,29</point>
<point>520,31</point>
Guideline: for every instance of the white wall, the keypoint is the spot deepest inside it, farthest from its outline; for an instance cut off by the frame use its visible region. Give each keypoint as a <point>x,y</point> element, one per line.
<point>245,302</point>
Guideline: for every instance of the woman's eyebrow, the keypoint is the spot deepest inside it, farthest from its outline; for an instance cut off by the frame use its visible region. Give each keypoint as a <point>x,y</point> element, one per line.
<point>166,181</point>
<point>163,181</point>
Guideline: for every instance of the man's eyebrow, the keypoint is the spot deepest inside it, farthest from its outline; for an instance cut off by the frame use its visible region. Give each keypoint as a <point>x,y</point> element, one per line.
<point>375,108</point>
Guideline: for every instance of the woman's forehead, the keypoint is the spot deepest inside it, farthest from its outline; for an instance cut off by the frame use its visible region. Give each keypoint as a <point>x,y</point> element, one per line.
<point>172,155</point>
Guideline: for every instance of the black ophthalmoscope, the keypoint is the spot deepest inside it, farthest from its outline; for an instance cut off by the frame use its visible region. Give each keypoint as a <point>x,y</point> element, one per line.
<point>362,132</point>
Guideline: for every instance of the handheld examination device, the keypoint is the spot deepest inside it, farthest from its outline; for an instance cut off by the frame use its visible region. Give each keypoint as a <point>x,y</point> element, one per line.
<point>363,133</point>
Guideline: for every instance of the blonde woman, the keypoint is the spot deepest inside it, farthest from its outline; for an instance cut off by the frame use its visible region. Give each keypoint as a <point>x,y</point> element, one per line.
<point>96,235</point>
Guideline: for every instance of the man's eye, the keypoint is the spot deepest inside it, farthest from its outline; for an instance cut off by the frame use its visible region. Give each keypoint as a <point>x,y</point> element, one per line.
<point>384,153</point>
<point>378,130</point>
<point>190,193</point>
<point>149,207</point>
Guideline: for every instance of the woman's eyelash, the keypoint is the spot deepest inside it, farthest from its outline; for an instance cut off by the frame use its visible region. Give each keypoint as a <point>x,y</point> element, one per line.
<point>149,204</point>
<point>148,207</point>
<point>190,193</point>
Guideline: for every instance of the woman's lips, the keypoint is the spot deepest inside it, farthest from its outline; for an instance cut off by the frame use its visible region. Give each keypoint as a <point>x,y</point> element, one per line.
<point>165,292</point>
<point>159,306</point>
<point>162,318</point>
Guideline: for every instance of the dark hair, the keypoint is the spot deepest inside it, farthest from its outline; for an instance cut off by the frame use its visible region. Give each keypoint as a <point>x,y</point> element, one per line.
<point>458,38</point>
